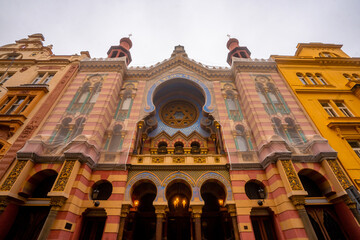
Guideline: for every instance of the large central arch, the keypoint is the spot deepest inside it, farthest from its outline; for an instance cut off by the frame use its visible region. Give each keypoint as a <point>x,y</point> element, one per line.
<point>150,107</point>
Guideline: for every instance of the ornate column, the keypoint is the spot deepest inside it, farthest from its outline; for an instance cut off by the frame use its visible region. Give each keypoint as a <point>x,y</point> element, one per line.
<point>352,207</point>
<point>197,210</point>
<point>138,136</point>
<point>160,214</point>
<point>232,212</point>
<point>56,203</point>
<point>219,137</point>
<point>299,203</point>
<point>124,213</point>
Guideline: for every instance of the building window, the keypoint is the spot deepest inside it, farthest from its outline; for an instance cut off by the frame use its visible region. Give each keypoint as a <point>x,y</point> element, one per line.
<point>347,76</point>
<point>4,77</point>
<point>13,104</point>
<point>328,54</point>
<point>301,78</point>
<point>321,79</point>
<point>311,78</point>
<point>233,106</point>
<point>115,140</point>
<point>357,77</point>
<point>125,103</point>
<point>344,109</point>
<point>270,97</point>
<point>43,78</point>
<point>329,109</point>
<point>355,145</point>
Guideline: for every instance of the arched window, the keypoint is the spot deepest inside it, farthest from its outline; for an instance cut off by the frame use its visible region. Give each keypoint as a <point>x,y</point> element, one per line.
<point>62,133</point>
<point>255,190</point>
<point>270,97</point>
<point>125,103</point>
<point>293,132</point>
<point>162,148</point>
<point>321,79</point>
<point>311,78</point>
<point>278,128</point>
<point>86,97</point>
<point>77,128</point>
<point>195,148</point>
<point>302,78</point>
<point>179,148</point>
<point>325,54</point>
<point>116,139</point>
<point>233,106</point>
<point>241,140</point>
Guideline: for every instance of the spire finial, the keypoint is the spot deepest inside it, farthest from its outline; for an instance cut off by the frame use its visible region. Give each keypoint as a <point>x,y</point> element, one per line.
<point>228,35</point>
<point>130,35</point>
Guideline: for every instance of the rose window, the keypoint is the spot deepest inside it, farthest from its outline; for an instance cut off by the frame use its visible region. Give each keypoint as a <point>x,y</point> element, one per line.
<point>179,114</point>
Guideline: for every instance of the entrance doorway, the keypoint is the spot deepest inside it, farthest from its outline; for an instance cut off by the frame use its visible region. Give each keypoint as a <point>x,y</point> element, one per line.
<point>178,218</point>
<point>262,221</point>
<point>93,224</point>
<point>215,221</point>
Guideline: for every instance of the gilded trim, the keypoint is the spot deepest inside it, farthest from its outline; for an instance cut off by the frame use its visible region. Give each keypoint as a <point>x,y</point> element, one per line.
<point>64,176</point>
<point>291,175</point>
<point>14,174</point>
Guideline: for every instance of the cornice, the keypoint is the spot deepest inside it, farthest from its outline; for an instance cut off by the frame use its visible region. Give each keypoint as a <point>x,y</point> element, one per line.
<point>290,60</point>
<point>248,64</point>
<point>21,62</point>
<point>319,90</point>
<point>31,87</point>
<point>103,64</point>
<point>211,73</point>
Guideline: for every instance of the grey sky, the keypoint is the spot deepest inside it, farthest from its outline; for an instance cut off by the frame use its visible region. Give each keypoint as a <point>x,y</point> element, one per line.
<point>265,27</point>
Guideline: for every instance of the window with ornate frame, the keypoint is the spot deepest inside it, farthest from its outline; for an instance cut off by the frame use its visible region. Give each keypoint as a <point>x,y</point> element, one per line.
<point>43,78</point>
<point>355,145</point>
<point>321,79</point>
<point>302,78</point>
<point>329,109</point>
<point>15,104</point>
<point>311,78</point>
<point>4,77</point>
<point>242,141</point>
<point>125,103</point>
<point>333,108</point>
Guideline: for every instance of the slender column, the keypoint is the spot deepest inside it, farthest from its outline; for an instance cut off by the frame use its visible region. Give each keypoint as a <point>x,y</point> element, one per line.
<point>160,213</point>
<point>56,204</point>
<point>232,211</point>
<point>299,202</point>
<point>197,217</point>
<point>219,137</point>
<point>124,213</point>
<point>138,136</point>
<point>352,206</point>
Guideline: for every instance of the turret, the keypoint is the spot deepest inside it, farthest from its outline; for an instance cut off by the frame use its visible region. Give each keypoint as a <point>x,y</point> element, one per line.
<point>122,50</point>
<point>236,51</point>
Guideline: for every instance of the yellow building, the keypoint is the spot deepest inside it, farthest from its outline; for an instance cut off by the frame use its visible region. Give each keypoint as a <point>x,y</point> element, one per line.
<point>31,80</point>
<point>326,81</point>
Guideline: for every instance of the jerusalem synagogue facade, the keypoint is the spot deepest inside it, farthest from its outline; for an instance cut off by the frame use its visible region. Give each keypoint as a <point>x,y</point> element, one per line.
<point>92,148</point>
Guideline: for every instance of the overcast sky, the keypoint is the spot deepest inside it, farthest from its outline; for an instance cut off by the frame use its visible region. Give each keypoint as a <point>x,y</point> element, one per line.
<point>265,27</point>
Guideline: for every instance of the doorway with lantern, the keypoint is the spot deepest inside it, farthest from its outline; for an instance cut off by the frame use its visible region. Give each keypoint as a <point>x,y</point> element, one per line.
<point>178,224</point>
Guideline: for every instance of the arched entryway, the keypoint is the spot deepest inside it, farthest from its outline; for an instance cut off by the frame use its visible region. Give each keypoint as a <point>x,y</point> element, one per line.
<point>178,222</point>
<point>93,224</point>
<point>323,217</point>
<point>141,222</point>
<point>215,221</point>
<point>30,219</point>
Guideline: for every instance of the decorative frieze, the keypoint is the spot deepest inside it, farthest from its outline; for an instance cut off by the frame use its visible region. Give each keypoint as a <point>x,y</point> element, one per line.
<point>291,175</point>
<point>158,159</point>
<point>14,174</point>
<point>64,176</point>
<point>178,159</point>
<point>339,173</point>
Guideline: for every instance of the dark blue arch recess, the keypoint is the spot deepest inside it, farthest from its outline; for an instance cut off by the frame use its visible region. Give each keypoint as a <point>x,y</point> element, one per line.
<point>150,106</point>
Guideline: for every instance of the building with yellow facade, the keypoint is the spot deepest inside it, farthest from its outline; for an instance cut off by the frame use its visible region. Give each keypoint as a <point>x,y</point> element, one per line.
<point>327,83</point>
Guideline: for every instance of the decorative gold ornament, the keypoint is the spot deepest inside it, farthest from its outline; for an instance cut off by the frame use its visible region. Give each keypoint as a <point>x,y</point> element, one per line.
<point>14,174</point>
<point>339,173</point>
<point>298,201</point>
<point>199,159</point>
<point>179,114</point>
<point>158,159</point>
<point>291,175</point>
<point>178,159</point>
<point>57,202</point>
<point>64,176</point>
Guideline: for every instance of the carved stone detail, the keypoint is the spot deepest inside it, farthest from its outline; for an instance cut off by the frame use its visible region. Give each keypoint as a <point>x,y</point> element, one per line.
<point>298,201</point>
<point>339,173</point>
<point>291,175</point>
<point>57,202</point>
<point>178,159</point>
<point>64,176</point>
<point>199,159</point>
<point>158,159</point>
<point>14,174</point>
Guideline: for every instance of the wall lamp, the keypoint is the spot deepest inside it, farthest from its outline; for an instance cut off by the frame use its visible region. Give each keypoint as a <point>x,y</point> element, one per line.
<point>262,196</point>
<point>94,196</point>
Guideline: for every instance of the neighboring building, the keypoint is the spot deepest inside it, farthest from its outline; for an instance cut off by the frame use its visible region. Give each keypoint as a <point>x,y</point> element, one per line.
<point>31,80</point>
<point>327,83</point>
<point>178,150</point>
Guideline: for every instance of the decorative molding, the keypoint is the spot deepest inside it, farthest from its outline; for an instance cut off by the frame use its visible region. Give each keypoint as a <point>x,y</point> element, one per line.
<point>14,174</point>
<point>158,159</point>
<point>298,201</point>
<point>64,176</point>
<point>199,159</point>
<point>57,202</point>
<point>178,159</point>
<point>339,173</point>
<point>291,175</point>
